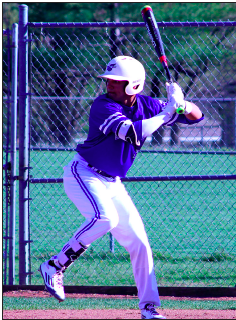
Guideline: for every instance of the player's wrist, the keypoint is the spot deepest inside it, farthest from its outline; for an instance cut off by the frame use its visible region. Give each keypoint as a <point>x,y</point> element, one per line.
<point>188,107</point>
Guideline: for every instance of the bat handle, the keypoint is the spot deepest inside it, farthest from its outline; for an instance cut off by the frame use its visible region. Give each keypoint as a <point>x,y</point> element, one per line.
<point>180,109</point>
<point>168,75</point>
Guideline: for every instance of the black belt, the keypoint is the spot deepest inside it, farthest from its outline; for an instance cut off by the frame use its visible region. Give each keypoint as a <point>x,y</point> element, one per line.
<point>102,173</point>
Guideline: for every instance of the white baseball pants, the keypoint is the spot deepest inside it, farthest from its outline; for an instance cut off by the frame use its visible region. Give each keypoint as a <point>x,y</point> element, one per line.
<point>106,206</point>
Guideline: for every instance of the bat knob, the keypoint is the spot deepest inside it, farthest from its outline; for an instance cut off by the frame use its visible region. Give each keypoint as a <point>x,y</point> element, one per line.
<point>180,110</point>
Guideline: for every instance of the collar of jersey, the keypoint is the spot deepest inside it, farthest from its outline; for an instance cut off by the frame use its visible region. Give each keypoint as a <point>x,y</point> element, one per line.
<point>124,106</point>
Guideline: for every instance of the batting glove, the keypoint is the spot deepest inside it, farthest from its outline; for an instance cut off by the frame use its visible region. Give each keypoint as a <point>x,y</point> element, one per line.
<point>174,89</point>
<point>170,108</point>
<point>175,96</point>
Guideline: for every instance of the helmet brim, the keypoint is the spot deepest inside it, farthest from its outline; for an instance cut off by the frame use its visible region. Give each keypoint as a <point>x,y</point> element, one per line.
<point>113,77</point>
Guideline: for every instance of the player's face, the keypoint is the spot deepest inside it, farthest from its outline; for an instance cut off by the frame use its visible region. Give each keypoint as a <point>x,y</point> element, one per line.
<point>116,90</point>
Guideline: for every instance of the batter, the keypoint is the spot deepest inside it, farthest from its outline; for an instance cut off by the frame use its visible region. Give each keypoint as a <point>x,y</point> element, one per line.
<point>119,123</point>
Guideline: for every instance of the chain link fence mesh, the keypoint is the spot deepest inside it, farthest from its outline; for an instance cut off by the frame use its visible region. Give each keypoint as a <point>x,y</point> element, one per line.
<point>190,224</point>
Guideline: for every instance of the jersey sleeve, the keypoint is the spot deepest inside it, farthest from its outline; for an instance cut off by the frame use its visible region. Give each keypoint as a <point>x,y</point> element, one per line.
<point>106,115</point>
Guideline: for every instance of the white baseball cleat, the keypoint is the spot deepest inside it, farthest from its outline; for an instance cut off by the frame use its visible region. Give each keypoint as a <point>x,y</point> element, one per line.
<point>149,312</point>
<point>53,279</point>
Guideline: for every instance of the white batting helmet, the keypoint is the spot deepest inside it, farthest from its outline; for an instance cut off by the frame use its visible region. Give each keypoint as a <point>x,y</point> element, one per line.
<point>126,68</point>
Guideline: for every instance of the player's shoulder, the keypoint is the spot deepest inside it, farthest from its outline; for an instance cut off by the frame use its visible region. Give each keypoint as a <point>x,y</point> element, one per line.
<point>103,106</point>
<point>101,99</point>
<point>104,101</point>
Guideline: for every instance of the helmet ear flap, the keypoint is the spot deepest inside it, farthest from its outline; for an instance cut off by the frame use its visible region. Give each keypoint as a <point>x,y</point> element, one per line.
<point>134,89</point>
<point>126,85</point>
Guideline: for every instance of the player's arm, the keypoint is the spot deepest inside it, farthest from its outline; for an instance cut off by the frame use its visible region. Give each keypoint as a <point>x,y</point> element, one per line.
<point>192,112</point>
<point>134,132</point>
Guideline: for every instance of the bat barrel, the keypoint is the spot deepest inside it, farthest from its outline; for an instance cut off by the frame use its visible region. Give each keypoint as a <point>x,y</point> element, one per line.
<point>154,34</point>
<point>153,31</point>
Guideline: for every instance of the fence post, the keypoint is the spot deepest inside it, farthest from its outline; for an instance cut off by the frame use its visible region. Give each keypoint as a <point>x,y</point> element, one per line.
<point>12,222</point>
<point>112,245</point>
<point>7,165</point>
<point>23,146</point>
<point>235,125</point>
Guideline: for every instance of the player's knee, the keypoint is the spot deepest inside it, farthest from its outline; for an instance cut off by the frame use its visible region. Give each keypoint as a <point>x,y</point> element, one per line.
<point>112,222</point>
<point>109,222</point>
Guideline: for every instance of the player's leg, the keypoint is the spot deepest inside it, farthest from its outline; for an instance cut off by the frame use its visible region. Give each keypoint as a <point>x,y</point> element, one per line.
<point>131,234</point>
<point>92,198</point>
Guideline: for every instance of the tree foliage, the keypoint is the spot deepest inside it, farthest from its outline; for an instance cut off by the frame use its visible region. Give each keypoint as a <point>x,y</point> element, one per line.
<point>127,12</point>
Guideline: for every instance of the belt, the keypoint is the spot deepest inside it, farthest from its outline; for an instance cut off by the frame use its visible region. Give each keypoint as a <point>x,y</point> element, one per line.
<point>102,173</point>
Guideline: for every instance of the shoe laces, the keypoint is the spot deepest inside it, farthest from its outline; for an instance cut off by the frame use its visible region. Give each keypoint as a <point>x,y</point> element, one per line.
<point>59,278</point>
<point>151,308</point>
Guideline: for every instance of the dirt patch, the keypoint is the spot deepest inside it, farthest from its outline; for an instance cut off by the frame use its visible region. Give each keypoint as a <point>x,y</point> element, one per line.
<point>116,314</point>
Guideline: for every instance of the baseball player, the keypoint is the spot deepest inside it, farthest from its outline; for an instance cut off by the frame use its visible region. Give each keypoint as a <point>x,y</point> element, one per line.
<point>119,123</point>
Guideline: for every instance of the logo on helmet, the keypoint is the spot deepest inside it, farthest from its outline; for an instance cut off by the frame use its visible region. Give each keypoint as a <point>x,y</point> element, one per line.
<point>111,66</point>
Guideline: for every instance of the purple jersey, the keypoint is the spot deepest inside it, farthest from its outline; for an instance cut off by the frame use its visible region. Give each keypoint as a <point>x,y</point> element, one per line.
<point>103,149</point>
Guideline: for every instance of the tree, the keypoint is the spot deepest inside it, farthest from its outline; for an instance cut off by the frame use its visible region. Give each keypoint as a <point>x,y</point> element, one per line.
<point>10,14</point>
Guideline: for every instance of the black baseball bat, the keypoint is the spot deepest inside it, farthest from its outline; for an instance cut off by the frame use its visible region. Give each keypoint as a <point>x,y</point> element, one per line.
<point>154,34</point>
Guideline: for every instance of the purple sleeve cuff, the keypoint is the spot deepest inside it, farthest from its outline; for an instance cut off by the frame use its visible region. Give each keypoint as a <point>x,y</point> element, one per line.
<point>182,119</point>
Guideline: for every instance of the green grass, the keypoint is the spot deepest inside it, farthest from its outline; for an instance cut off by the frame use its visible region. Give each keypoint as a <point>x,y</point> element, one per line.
<point>91,303</point>
<point>96,269</point>
<point>49,164</point>
<point>190,224</point>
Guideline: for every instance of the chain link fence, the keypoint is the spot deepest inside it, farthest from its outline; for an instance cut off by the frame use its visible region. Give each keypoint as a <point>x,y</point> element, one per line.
<point>182,182</point>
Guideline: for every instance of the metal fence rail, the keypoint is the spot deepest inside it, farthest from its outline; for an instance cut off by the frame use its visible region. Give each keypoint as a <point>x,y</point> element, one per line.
<point>183,182</point>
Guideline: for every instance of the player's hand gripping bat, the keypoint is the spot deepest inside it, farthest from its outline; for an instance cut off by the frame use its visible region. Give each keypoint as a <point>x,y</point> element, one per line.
<point>155,36</point>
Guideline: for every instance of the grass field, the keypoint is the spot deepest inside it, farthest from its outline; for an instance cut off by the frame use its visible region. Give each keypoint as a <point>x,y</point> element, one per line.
<point>10,303</point>
<point>190,224</point>
<point>49,164</point>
